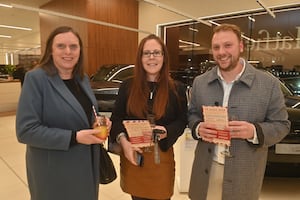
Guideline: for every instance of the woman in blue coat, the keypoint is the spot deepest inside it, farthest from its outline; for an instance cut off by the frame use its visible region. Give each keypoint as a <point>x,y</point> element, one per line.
<point>54,119</point>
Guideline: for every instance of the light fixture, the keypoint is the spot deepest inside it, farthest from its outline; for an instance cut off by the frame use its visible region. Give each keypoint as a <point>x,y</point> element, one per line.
<point>59,14</point>
<point>214,23</point>
<point>251,18</point>
<point>247,38</point>
<point>189,43</point>
<point>5,36</point>
<point>193,29</point>
<point>169,8</point>
<point>5,5</point>
<point>265,7</point>
<point>278,34</point>
<point>15,27</point>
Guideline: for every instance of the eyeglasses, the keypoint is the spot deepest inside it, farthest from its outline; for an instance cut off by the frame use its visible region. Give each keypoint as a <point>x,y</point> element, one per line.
<point>155,53</point>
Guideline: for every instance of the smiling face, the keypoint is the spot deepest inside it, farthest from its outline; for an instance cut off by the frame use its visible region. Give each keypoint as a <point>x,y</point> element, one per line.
<point>152,59</point>
<point>226,49</point>
<point>65,53</point>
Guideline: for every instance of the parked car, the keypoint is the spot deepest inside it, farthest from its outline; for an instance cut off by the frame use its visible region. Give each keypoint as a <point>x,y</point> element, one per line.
<point>284,157</point>
<point>106,81</point>
<point>291,100</point>
<point>293,83</point>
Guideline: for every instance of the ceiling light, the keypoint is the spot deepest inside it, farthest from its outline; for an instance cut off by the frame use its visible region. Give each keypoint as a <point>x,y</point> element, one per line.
<point>266,8</point>
<point>5,36</point>
<point>169,8</point>
<point>193,29</point>
<point>190,43</point>
<point>247,38</point>
<point>5,5</point>
<point>59,14</point>
<point>15,27</point>
<point>215,23</point>
<point>251,18</point>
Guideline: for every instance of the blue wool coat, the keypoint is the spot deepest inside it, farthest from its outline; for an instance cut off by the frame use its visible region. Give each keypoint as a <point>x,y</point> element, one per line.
<point>257,98</point>
<point>46,116</point>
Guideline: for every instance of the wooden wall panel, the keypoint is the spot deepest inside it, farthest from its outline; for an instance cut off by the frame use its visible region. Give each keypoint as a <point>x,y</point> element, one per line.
<point>102,44</point>
<point>173,47</point>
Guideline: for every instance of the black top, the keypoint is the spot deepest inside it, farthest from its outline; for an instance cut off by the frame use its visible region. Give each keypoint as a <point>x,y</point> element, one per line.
<point>81,97</point>
<point>174,120</point>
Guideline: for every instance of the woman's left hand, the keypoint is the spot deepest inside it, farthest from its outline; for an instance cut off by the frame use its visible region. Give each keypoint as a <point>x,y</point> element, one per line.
<point>108,123</point>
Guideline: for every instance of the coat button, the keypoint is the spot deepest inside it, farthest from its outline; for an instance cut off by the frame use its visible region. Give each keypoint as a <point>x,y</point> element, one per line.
<point>206,171</point>
<point>209,150</point>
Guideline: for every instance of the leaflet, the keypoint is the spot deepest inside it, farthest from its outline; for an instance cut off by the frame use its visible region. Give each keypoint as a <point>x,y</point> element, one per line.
<point>218,116</point>
<point>139,132</point>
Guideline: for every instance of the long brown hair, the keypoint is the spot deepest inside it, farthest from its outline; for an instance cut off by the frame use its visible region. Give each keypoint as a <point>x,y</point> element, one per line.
<point>137,104</point>
<point>46,61</point>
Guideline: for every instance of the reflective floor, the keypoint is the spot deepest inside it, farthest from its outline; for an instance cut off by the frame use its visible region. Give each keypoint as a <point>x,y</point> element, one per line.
<point>13,184</point>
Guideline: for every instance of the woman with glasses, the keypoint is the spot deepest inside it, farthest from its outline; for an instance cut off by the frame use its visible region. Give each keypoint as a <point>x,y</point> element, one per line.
<point>151,92</point>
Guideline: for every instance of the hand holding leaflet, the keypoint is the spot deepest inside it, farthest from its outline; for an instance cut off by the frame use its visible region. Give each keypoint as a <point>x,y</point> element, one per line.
<point>218,116</point>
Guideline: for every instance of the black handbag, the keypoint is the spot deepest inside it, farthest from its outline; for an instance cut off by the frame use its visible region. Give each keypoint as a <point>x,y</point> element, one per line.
<point>113,147</point>
<point>107,169</point>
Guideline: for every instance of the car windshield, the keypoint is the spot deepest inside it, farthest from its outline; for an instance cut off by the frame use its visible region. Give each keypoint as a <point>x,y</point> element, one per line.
<point>102,74</point>
<point>122,74</point>
<point>293,83</point>
<point>285,90</point>
<point>115,73</point>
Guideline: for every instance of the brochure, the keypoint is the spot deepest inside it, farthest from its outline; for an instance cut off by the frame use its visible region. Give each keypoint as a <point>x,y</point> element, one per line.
<point>139,132</point>
<point>218,116</point>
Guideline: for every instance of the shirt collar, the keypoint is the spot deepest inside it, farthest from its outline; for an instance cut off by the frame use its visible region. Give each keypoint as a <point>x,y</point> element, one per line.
<point>243,62</point>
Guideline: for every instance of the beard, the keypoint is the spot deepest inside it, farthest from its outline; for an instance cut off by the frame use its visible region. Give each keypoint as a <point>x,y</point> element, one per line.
<point>229,64</point>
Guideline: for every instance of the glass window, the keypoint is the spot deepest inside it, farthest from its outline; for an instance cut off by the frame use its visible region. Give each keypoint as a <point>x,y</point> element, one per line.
<point>272,43</point>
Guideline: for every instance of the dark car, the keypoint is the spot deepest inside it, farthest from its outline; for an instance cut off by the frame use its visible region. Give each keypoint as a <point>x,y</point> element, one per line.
<point>106,82</point>
<point>291,100</point>
<point>284,157</point>
<point>293,83</point>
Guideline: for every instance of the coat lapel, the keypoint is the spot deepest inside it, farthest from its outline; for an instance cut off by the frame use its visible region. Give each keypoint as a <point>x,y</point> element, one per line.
<point>67,95</point>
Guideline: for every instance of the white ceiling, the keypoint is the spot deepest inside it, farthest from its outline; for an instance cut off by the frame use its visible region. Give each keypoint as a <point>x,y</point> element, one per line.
<point>20,39</point>
<point>31,39</point>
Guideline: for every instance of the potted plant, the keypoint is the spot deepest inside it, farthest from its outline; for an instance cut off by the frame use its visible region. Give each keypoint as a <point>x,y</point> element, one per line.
<point>10,69</point>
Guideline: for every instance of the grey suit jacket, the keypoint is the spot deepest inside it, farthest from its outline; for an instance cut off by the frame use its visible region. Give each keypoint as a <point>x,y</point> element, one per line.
<point>257,98</point>
<point>46,116</point>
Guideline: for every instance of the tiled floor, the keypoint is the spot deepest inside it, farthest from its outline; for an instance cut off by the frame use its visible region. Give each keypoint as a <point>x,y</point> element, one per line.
<point>13,184</point>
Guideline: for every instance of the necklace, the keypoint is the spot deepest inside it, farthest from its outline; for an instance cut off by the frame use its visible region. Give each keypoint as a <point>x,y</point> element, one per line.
<point>152,90</point>
<point>151,95</point>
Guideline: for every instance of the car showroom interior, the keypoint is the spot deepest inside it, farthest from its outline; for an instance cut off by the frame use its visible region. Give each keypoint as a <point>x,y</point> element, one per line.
<point>111,31</point>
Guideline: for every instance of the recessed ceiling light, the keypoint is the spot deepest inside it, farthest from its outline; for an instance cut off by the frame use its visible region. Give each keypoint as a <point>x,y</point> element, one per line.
<point>189,43</point>
<point>5,36</point>
<point>5,5</point>
<point>15,27</point>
